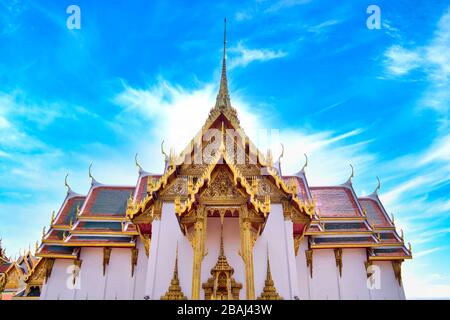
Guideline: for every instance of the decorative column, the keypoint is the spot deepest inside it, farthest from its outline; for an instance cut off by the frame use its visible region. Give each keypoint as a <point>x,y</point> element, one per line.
<point>247,252</point>
<point>199,251</point>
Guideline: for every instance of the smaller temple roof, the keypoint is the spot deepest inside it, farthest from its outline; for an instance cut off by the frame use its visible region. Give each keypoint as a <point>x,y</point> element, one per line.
<point>107,201</point>
<point>375,212</point>
<point>68,211</point>
<point>336,201</point>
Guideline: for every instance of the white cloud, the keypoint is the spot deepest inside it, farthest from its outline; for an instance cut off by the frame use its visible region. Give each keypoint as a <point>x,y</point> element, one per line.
<point>424,285</point>
<point>400,61</point>
<point>285,4</point>
<point>433,60</point>
<point>321,27</point>
<point>242,56</point>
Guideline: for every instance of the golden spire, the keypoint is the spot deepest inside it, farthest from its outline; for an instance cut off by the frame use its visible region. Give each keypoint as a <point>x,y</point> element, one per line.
<point>174,292</point>
<point>269,290</point>
<point>223,98</point>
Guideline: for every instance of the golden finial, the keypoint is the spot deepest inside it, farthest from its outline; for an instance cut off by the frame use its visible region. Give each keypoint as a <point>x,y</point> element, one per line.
<point>174,291</point>
<point>282,153</point>
<point>137,163</point>
<point>223,98</point>
<point>379,236</point>
<point>163,152</point>
<point>66,184</point>
<point>52,220</point>
<point>401,234</point>
<point>71,223</point>
<point>352,174</point>
<point>378,186</point>
<point>90,172</point>
<point>364,211</point>
<point>306,162</point>
<point>393,218</point>
<point>36,247</point>
<point>410,247</point>
<point>78,210</point>
<point>269,290</point>
<point>43,232</point>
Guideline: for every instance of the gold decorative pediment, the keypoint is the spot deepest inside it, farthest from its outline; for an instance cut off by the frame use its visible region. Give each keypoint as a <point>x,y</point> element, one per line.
<point>221,187</point>
<point>176,188</point>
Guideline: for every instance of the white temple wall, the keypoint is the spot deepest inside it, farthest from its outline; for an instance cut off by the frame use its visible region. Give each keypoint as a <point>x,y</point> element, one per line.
<point>260,263</point>
<point>353,283</point>
<point>387,287</point>
<point>303,272</point>
<point>92,282</point>
<point>59,284</point>
<point>119,283</point>
<point>232,246</point>
<point>290,252</point>
<point>185,264</point>
<point>276,237</point>
<point>166,234</point>
<point>152,259</point>
<point>140,272</point>
<point>324,282</point>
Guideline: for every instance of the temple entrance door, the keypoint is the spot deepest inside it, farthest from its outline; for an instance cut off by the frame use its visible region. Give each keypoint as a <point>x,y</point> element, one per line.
<point>222,291</point>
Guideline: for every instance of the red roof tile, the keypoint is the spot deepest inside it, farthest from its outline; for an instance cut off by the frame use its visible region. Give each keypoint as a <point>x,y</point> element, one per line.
<point>335,201</point>
<point>374,213</point>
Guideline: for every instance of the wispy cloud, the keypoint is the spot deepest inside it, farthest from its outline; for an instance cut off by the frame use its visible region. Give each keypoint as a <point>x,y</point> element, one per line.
<point>323,26</point>
<point>242,55</point>
<point>400,61</point>
<point>433,60</point>
<point>285,4</point>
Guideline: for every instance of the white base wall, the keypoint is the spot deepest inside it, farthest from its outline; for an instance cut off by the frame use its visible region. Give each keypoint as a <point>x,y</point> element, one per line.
<point>353,283</point>
<point>277,239</point>
<point>166,234</point>
<point>303,272</point>
<point>140,272</point>
<point>324,282</point>
<point>59,285</point>
<point>92,281</point>
<point>386,285</point>
<point>91,284</point>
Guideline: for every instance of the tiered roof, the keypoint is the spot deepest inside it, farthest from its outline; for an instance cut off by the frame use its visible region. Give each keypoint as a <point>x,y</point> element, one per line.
<point>336,217</point>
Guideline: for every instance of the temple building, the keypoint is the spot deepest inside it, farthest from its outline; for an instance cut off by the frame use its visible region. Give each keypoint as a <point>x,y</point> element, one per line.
<point>220,222</point>
<point>15,276</point>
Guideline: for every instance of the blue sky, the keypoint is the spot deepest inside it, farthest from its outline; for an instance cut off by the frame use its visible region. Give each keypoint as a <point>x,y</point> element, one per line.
<point>138,72</point>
